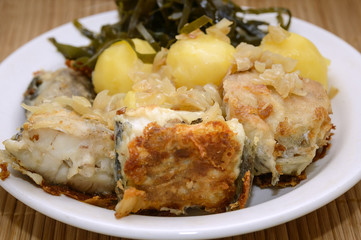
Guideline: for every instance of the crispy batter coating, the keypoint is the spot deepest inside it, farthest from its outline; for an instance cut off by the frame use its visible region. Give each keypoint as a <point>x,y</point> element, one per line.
<point>265,180</point>
<point>175,167</point>
<point>101,200</point>
<point>287,130</point>
<point>4,173</point>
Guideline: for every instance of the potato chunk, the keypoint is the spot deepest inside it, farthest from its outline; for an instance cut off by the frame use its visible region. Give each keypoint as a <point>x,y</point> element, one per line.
<point>198,61</point>
<point>311,63</point>
<point>114,65</point>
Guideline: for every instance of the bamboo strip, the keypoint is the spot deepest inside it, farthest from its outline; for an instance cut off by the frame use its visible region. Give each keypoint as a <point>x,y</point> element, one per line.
<point>27,228</point>
<point>92,236</point>
<point>314,226</point>
<point>59,231</point>
<point>345,216</point>
<point>335,221</point>
<point>261,235</point>
<point>252,236</point>
<point>49,227</point>
<point>6,219</point>
<point>17,222</point>
<point>357,190</point>
<point>303,228</point>
<point>248,236</point>
<point>271,234</point>
<point>103,237</point>
<point>70,232</point>
<point>81,234</point>
<point>292,230</point>
<point>355,210</point>
<point>115,238</point>
<point>241,237</point>
<point>281,231</point>
<point>3,195</point>
<point>325,224</point>
<point>38,226</point>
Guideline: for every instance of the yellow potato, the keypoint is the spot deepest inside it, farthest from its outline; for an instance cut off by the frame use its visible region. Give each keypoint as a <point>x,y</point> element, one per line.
<point>310,62</point>
<point>114,65</point>
<point>199,61</point>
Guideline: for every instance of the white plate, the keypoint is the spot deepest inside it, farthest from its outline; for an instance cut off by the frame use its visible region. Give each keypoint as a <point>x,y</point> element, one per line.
<point>327,179</point>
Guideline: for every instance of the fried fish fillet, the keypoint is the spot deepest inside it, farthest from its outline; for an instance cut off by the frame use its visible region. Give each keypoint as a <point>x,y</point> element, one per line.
<point>286,127</point>
<point>58,146</point>
<point>172,160</point>
<point>46,86</point>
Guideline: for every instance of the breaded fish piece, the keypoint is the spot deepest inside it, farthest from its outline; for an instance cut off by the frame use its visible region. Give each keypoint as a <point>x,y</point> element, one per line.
<point>58,146</point>
<point>287,118</point>
<point>173,160</point>
<point>63,82</point>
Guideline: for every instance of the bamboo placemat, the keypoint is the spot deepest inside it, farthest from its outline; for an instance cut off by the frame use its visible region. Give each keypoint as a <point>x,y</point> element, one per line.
<point>23,20</point>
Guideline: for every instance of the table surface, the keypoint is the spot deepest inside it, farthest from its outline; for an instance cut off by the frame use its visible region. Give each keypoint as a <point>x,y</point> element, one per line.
<point>22,20</point>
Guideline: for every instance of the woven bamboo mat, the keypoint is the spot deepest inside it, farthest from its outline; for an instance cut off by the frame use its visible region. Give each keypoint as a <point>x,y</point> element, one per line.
<point>340,219</point>
<point>23,20</point>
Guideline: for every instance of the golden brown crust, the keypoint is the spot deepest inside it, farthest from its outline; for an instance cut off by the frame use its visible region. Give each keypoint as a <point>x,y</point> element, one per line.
<point>181,166</point>
<point>264,180</point>
<point>105,201</point>
<point>4,173</point>
<point>264,110</point>
<point>321,152</point>
<point>133,201</point>
<point>284,128</point>
<point>246,189</point>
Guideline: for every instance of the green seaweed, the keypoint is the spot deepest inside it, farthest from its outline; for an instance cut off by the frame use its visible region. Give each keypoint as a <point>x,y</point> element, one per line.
<point>159,21</point>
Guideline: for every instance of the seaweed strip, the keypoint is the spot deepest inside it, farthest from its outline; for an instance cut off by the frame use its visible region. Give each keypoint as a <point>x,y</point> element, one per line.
<point>159,21</point>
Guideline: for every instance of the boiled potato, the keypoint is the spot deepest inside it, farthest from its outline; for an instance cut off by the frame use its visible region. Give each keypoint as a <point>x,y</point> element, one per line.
<point>310,62</point>
<point>114,65</point>
<point>199,61</point>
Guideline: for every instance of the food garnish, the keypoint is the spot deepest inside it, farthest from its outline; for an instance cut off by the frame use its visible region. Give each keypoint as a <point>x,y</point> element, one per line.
<point>159,22</point>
